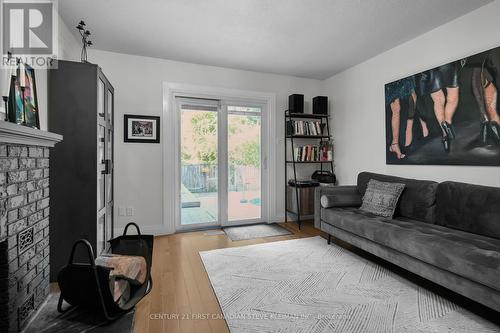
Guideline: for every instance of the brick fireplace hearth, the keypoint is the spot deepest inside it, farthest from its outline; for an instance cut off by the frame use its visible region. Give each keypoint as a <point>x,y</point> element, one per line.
<point>24,222</point>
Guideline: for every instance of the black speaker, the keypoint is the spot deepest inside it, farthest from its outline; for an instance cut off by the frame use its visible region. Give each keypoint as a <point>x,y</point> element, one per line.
<point>320,105</point>
<point>296,103</point>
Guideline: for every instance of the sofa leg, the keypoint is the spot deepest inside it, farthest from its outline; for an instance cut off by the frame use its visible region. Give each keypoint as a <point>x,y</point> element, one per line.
<point>329,239</point>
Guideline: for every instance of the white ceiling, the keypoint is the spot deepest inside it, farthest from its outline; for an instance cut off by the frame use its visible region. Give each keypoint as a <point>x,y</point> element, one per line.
<point>307,38</point>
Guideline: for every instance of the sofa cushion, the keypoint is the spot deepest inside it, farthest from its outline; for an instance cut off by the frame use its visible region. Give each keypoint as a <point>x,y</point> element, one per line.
<point>471,208</point>
<point>349,190</point>
<point>381,198</point>
<point>471,256</point>
<point>418,200</point>
<point>342,200</point>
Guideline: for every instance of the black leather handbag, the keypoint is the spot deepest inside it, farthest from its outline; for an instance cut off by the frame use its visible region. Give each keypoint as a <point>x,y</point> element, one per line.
<point>324,176</point>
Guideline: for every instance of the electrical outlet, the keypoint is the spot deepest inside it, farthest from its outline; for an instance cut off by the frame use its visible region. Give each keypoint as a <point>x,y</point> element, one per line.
<point>130,211</point>
<point>121,211</point>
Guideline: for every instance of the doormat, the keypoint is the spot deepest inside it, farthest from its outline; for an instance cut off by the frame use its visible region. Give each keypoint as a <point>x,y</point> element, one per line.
<point>255,231</point>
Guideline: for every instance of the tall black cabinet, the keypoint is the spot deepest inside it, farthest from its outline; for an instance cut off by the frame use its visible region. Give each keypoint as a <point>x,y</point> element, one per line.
<point>80,107</point>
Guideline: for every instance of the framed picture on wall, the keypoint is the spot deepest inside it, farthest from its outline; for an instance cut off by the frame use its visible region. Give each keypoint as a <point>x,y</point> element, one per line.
<point>141,129</point>
<point>447,115</point>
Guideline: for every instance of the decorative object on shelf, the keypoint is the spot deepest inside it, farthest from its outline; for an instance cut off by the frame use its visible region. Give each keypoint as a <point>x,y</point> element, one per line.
<point>22,86</point>
<point>296,103</point>
<point>23,100</point>
<point>320,105</point>
<point>6,108</point>
<point>144,129</point>
<point>326,149</point>
<point>304,126</point>
<point>447,115</point>
<point>324,176</point>
<point>86,42</point>
<point>6,83</point>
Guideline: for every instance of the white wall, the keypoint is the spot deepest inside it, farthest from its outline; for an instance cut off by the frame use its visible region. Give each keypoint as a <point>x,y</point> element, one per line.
<point>138,90</point>
<point>357,107</point>
<point>357,98</point>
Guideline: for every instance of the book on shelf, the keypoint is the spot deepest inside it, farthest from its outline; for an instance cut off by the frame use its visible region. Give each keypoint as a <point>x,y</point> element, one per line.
<point>314,153</point>
<point>300,127</point>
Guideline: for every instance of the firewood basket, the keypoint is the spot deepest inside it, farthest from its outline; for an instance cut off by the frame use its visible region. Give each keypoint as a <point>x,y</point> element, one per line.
<point>87,285</point>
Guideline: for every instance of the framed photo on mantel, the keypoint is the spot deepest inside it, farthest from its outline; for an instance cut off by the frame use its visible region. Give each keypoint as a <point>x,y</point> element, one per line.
<point>23,100</point>
<point>141,129</point>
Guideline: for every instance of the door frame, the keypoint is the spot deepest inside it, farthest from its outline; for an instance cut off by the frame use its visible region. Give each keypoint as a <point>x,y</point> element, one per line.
<point>171,147</point>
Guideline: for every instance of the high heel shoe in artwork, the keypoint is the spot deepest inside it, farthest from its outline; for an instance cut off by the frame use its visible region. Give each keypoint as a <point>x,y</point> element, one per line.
<point>446,143</point>
<point>394,148</point>
<point>490,133</point>
<point>483,134</point>
<point>495,131</point>
<point>449,130</point>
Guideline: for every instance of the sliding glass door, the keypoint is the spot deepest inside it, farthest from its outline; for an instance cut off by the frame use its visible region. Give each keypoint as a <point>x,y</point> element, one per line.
<point>199,162</point>
<point>244,163</point>
<point>221,163</point>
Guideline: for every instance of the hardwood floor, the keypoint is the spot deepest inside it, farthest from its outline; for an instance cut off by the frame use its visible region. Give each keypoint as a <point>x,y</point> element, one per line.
<point>182,299</point>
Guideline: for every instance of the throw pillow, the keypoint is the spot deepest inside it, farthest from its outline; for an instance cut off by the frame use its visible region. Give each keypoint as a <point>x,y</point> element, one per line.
<point>331,200</point>
<point>381,198</point>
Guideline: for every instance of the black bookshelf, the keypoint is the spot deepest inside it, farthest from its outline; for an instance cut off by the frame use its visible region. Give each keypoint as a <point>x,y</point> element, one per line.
<point>289,139</point>
<point>306,115</point>
<point>307,136</point>
<point>310,162</point>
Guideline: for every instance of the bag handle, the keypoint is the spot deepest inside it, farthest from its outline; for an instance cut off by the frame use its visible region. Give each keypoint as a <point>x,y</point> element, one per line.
<point>322,172</point>
<point>90,252</point>
<point>133,224</point>
<point>150,285</point>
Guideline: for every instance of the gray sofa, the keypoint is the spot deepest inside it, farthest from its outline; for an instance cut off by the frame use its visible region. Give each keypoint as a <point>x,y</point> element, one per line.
<point>448,233</point>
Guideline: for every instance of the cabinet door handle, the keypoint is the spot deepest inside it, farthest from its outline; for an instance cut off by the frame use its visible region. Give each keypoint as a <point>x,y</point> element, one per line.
<point>107,167</point>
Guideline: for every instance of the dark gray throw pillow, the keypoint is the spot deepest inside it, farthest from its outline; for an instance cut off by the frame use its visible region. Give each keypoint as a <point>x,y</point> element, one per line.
<point>381,198</point>
<point>344,200</point>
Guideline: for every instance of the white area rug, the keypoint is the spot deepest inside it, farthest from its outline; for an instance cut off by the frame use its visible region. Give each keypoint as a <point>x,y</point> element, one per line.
<point>255,231</point>
<point>305,285</point>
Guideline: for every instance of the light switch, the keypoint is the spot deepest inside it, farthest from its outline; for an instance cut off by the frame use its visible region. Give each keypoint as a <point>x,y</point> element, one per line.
<point>130,211</point>
<point>121,211</point>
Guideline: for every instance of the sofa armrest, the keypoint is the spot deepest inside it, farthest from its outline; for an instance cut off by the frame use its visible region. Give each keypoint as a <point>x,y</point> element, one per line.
<point>340,191</point>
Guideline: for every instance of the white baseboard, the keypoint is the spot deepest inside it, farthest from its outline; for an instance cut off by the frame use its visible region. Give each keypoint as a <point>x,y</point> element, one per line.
<point>157,230</point>
<point>161,230</point>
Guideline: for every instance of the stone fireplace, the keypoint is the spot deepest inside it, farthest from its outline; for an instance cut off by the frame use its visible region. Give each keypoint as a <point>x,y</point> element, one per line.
<point>24,222</point>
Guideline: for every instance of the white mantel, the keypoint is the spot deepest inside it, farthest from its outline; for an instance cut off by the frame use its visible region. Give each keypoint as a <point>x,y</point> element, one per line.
<point>14,133</point>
